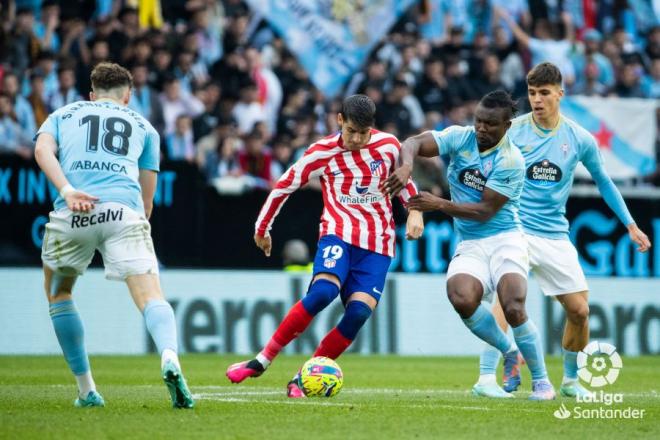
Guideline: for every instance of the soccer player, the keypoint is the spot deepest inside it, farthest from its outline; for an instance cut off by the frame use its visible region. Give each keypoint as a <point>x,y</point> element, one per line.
<point>103,158</point>
<point>552,145</point>
<point>356,241</point>
<point>486,176</point>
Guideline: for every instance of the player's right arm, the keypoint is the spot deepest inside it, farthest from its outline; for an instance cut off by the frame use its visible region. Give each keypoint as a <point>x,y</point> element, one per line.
<point>312,164</point>
<point>44,153</point>
<point>423,144</point>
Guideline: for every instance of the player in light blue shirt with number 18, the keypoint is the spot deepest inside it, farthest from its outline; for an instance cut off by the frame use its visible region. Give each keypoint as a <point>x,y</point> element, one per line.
<point>103,158</point>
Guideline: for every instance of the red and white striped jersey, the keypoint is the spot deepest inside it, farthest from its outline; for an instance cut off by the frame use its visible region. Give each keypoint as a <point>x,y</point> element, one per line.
<point>355,209</point>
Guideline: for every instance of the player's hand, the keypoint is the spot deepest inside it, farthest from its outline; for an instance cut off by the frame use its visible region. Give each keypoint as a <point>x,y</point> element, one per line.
<point>79,201</point>
<point>397,181</point>
<point>414,225</point>
<point>264,243</point>
<point>640,238</point>
<point>425,201</point>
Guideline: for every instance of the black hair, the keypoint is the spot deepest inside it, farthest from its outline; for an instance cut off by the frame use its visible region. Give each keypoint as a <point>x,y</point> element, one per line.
<point>359,109</point>
<point>500,99</point>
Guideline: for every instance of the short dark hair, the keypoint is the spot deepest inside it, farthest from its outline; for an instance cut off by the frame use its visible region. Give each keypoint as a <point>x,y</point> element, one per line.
<point>500,99</point>
<point>543,74</point>
<point>107,76</point>
<point>359,109</point>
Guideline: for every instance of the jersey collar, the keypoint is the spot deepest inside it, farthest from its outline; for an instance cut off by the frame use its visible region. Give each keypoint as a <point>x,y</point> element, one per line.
<point>491,149</point>
<point>541,132</point>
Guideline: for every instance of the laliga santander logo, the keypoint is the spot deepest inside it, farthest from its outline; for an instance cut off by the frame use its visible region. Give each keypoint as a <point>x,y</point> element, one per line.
<point>599,364</point>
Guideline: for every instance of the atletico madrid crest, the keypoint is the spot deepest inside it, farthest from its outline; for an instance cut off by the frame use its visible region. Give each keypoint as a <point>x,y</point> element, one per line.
<point>378,168</point>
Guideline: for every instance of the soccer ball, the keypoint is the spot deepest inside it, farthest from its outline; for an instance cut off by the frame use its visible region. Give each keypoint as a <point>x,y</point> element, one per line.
<point>321,377</point>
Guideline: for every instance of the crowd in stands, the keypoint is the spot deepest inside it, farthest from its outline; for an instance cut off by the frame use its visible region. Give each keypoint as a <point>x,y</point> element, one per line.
<point>227,95</point>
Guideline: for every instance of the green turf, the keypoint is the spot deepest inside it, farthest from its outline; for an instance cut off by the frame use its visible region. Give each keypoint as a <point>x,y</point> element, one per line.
<point>383,398</point>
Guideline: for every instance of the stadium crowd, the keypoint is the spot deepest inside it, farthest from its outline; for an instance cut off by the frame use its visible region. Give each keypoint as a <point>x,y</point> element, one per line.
<point>227,95</point>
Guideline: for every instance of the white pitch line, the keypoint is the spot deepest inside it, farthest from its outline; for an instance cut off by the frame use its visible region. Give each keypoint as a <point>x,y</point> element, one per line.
<point>317,402</point>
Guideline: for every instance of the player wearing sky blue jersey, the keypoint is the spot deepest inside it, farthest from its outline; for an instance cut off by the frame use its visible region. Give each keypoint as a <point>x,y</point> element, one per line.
<point>486,177</point>
<point>552,146</point>
<point>103,158</point>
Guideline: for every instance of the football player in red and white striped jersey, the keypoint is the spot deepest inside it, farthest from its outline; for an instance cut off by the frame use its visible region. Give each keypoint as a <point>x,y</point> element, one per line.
<point>356,242</point>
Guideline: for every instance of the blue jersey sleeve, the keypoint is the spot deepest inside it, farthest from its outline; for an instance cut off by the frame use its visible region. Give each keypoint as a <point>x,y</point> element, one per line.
<point>150,157</point>
<point>448,139</point>
<point>508,174</point>
<point>50,126</point>
<point>591,158</point>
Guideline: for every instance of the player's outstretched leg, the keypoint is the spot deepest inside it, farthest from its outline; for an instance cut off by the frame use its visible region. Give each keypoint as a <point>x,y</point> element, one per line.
<point>320,294</point>
<point>71,336</point>
<point>576,337</point>
<point>161,325</point>
<point>512,289</point>
<point>340,337</point>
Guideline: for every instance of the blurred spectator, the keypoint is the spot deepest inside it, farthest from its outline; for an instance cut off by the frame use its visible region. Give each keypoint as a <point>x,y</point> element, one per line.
<point>546,44</point>
<point>99,50</point>
<point>22,108</point>
<point>45,64</point>
<point>24,46</point>
<point>592,55</point>
<point>222,162</point>
<point>490,76</point>
<point>179,144</point>
<point>204,123</point>
<point>269,87</point>
<point>248,110</point>
<point>394,112</point>
<point>190,72</point>
<point>144,99</point>
<point>651,83</point>
<point>45,28</point>
<point>13,138</point>
<point>175,102</point>
<point>589,85</point>
<point>66,92</point>
<point>629,84</point>
<point>282,156</point>
<point>208,35</point>
<point>255,160</point>
<point>431,90</point>
<point>36,97</point>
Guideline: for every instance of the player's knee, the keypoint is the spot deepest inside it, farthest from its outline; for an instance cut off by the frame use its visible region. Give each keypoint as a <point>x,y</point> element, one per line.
<point>464,302</point>
<point>356,314</point>
<point>320,294</point>
<point>514,312</point>
<point>578,314</point>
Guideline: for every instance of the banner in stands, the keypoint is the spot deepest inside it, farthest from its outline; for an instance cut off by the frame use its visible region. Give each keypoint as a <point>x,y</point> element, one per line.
<point>237,311</point>
<point>331,39</point>
<point>626,143</point>
<point>194,226</point>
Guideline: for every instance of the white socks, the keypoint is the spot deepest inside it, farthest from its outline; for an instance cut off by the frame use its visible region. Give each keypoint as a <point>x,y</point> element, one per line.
<point>85,384</point>
<point>487,379</point>
<point>263,360</point>
<point>169,355</point>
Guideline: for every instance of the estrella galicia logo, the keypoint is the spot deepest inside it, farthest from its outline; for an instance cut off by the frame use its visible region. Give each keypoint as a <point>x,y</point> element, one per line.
<point>544,172</point>
<point>473,178</point>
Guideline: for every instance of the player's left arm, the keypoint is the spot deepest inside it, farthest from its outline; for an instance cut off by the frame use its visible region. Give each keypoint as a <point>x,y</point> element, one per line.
<point>149,165</point>
<point>148,180</point>
<point>593,161</point>
<point>491,202</point>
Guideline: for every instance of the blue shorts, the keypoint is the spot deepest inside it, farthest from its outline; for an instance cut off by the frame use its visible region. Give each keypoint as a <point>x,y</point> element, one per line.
<point>358,270</point>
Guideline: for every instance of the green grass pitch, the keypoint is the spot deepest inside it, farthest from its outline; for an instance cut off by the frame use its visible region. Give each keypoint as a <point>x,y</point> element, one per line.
<point>384,397</point>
